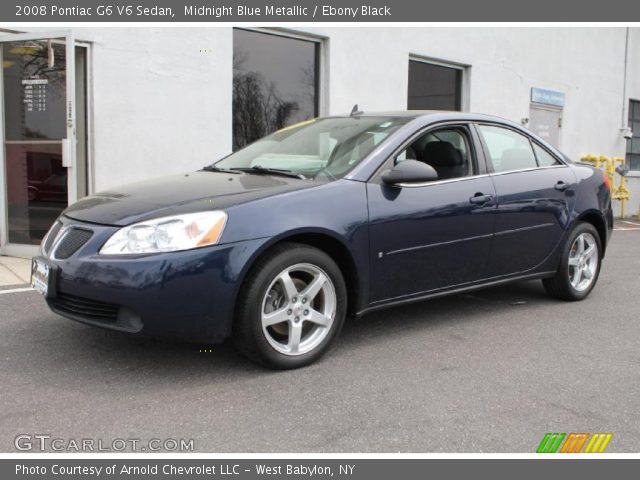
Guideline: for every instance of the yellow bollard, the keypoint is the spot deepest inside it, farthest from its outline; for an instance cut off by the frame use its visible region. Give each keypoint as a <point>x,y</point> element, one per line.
<point>618,192</point>
<point>592,159</point>
<point>621,193</point>
<point>610,168</point>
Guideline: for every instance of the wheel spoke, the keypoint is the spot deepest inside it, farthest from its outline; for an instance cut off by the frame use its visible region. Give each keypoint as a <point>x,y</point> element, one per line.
<point>580,245</point>
<point>288,285</point>
<point>319,318</point>
<point>314,287</point>
<point>272,318</point>
<point>590,251</point>
<point>574,261</point>
<point>588,274</point>
<point>575,278</point>
<point>295,333</point>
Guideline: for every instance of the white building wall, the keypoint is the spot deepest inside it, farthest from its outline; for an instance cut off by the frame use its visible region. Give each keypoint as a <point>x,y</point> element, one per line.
<point>162,96</point>
<point>161,100</point>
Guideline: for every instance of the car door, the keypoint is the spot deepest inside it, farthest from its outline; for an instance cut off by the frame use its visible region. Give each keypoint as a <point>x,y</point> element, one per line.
<point>535,197</point>
<point>429,236</point>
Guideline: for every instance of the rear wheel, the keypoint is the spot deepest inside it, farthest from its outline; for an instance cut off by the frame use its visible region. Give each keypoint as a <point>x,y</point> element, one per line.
<point>580,265</point>
<point>291,307</point>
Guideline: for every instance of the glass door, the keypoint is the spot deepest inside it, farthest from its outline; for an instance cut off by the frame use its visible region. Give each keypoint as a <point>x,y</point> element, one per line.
<point>38,135</point>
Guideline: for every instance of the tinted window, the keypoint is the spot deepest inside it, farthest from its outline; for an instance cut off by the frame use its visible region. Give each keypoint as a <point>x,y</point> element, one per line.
<point>508,150</point>
<point>433,87</point>
<point>633,144</point>
<point>275,81</point>
<point>545,159</point>
<point>447,151</point>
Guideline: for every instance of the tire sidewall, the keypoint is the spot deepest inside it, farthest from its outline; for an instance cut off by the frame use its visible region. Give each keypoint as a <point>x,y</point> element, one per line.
<point>251,312</point>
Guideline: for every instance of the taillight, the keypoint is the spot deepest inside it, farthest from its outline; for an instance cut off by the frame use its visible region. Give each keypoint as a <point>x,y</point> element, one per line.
<point>607,182</point>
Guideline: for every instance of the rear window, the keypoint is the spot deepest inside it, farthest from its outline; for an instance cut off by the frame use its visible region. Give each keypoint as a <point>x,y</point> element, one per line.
<point>508,150</point>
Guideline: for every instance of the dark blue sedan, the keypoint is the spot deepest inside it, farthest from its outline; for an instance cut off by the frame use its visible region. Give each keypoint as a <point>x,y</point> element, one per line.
<point>277,243</point>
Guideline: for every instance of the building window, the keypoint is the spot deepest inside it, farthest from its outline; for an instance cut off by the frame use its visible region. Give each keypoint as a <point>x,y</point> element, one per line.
<point>633,144</point>
<point>275,83</point>
<point>434,87</point>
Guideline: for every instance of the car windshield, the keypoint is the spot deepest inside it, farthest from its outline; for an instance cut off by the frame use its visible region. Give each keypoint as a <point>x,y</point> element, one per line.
<point>323,149</point>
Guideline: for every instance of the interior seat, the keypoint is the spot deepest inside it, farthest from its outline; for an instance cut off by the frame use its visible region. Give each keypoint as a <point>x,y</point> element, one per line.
<point>445,158</point>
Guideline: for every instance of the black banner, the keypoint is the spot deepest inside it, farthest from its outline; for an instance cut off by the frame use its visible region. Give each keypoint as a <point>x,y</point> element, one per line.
<point>317,469</point>
<point>317,11</point>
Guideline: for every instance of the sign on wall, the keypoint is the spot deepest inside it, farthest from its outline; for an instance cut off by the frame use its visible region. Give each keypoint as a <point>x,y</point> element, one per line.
<point>547,97</point>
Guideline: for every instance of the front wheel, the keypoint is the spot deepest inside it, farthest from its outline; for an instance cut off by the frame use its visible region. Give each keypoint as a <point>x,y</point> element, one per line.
<point>291,307</point>
<point>579,267</point>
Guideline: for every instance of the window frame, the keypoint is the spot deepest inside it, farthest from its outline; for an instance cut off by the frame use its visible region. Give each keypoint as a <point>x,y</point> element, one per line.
<point>532,141</point>
<point>634,105</point>
<point>478,161</point>
<point>541,147</point>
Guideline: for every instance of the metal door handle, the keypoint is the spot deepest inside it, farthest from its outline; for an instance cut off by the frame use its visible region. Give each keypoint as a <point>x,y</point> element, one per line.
<point>561,186</point>
<point>480,198</point>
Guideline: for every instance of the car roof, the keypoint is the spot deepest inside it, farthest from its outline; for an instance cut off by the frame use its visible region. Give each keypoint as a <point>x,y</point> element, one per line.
<point>426,117</point>
<point>434,115</point>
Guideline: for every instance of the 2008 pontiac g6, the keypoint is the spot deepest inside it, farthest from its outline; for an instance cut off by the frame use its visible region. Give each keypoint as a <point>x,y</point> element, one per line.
<point>277,243</point>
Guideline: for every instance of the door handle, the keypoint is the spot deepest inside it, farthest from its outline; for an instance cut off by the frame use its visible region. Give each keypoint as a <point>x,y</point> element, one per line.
<point>480,198</point>
<point>561,186</point>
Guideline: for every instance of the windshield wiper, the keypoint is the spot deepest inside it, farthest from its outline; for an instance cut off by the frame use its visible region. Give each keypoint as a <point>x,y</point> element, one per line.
<point>213,168</point>
<point>273,171</point>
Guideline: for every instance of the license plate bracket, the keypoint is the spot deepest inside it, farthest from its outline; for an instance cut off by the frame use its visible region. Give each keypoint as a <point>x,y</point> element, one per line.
<point>43,277</point>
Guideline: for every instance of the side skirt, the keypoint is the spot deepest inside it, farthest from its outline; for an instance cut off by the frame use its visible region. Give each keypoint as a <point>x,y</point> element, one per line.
<point>450,291</point>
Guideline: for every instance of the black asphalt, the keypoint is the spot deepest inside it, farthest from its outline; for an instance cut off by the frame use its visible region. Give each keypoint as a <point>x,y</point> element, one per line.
<point>491,371</point>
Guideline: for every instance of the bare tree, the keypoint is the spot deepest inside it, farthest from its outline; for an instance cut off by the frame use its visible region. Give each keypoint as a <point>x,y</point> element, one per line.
<point>258,109</point>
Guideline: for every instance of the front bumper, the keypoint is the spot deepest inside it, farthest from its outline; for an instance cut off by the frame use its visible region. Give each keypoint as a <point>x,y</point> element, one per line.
<point>188,295</point>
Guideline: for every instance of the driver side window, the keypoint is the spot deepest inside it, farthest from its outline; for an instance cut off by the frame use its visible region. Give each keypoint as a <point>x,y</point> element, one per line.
<point>447,150</point>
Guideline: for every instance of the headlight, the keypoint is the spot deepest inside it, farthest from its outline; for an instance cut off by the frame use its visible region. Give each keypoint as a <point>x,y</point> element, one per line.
<point>167,234</point>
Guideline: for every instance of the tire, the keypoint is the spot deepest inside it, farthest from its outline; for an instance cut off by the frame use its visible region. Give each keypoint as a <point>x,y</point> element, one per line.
<point>276,324</point>
<point>578,271</point>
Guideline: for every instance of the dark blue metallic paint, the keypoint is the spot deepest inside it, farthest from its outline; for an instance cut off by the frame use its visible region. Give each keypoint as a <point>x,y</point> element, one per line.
<point>428,237</point>
<point>185,295</point>
<point>396,243</point>
<point>531,217</point>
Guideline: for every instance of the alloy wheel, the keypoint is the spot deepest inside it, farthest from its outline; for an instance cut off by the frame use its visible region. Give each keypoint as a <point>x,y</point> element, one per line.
<point>583,261</point>
<point>298,309</point>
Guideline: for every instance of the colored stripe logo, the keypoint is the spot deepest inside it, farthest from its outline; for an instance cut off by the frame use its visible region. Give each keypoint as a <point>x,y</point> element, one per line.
<point>574,442</point>
<point>598,443</point>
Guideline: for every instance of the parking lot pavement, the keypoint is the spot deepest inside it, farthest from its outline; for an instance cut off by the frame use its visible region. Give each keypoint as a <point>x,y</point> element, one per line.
<point>490,371</point>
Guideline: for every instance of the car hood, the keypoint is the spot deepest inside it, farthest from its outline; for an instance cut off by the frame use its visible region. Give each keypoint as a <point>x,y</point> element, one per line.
<point>176,194</point>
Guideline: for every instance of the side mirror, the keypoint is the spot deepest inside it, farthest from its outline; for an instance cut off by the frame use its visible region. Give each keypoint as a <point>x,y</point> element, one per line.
<point>410,171</point>
<point>622,170</point>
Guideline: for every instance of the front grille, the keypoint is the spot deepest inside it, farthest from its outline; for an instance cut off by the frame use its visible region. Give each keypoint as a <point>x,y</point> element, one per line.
<point>51,236</point>
<point>71,241</point>
<point>85,308</point>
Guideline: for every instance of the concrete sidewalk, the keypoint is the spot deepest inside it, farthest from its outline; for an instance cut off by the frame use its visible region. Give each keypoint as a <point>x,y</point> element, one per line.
<point>14,271</point>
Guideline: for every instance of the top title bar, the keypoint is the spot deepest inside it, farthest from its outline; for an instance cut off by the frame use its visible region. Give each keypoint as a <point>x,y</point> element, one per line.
<point>254,11</point>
